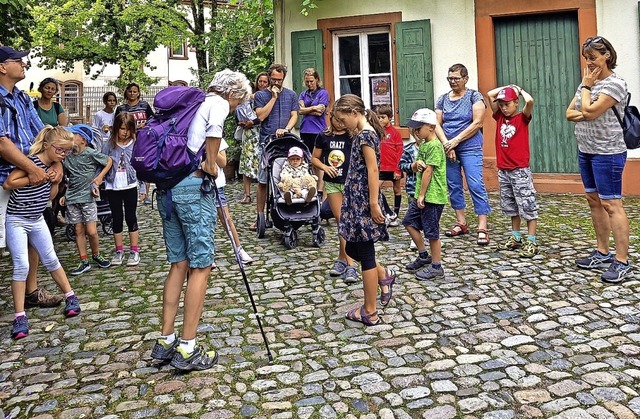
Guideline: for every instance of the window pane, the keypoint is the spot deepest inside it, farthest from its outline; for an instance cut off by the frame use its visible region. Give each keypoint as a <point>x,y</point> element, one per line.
<point>379,56</point>
<point>70,99</point>
<point>349,48</point>
<point>350,85</point>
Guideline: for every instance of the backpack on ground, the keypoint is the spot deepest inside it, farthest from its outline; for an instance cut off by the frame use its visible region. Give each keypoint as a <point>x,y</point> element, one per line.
<point>160,153</point>
<point>630,124</point>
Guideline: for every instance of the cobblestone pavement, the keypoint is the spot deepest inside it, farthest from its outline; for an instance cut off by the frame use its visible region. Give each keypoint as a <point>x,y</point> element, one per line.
<point>498,338</point>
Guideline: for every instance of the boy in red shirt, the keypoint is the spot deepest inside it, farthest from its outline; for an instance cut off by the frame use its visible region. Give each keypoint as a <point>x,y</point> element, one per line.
<point>517,193</point>
<point>391,147</point>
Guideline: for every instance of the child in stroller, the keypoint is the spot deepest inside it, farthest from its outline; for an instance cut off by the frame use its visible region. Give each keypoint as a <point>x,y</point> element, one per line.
<point>305,210</point>
<point>295,180</point>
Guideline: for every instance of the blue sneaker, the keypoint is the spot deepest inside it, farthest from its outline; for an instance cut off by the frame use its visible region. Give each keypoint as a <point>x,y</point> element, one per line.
<point>72,306</point>
<point>101,261</point>
<point>82,268</point>
<point>595,260</point>
<point>20,328</point>
<point>350,275</point>
<point>617,272</point>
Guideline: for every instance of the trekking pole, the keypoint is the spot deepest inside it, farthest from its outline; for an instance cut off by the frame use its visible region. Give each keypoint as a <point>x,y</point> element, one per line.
<point>241,265</point>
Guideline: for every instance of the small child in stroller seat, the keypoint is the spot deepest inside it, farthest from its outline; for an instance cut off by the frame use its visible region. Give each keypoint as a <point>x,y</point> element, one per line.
<point>295,179</point>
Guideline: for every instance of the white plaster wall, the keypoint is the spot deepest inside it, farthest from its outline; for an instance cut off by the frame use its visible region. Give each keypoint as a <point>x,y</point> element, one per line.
<point>618,22</point>
<point>452,29</point>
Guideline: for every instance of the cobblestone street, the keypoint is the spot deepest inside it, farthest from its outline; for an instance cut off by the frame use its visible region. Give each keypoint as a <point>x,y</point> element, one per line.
<point>499,338</point>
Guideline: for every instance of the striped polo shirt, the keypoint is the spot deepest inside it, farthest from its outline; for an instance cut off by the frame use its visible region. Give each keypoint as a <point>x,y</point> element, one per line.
<point>30,201</point>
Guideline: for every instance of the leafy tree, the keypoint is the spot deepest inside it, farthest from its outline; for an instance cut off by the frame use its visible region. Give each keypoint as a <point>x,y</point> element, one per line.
<point>17,20</point>
<point>101,32</point>
<point>243,38</point>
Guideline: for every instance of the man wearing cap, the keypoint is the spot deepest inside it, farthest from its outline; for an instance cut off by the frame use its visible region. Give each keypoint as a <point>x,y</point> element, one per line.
<point>19,124</point>
<point>277,108</point>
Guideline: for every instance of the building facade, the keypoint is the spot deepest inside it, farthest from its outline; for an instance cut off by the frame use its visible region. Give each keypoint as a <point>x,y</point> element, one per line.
<point>399,52</point>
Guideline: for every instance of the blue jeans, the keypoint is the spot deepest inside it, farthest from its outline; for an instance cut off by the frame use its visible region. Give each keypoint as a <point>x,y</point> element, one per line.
<point>471,162</point>
<point>602,173</point>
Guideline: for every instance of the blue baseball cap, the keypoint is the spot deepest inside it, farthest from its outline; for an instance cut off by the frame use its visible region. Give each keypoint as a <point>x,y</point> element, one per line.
<point>8,53</point>
<point>83,130</point>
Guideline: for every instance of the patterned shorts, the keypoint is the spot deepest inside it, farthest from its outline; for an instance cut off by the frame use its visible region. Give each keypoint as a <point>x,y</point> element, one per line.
<point>85,212</point>
<point>517,193</point>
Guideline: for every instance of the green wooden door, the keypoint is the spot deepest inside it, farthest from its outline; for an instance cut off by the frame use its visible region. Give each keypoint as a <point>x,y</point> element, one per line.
<point>306,51</point>
<point>415,68</point>
<point>541,53</point>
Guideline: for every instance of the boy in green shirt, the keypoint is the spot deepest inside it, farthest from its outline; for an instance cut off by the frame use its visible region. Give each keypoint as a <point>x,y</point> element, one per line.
<point>424,213</point>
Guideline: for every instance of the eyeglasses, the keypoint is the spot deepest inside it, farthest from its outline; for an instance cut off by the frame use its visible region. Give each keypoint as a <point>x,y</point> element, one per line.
<point>276,80</point>
<point>61,151</point>
<point>23,61</point>
<point>454,79</point>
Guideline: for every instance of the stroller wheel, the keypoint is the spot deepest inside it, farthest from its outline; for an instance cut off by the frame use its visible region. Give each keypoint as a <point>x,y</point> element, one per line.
<point>70,232</point>
<point>107,225</point>
<point>319,237</point>
<point>291,239</point>
<point>261,225</point>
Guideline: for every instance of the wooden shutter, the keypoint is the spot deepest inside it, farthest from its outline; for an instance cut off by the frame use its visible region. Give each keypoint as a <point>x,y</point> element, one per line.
<point>415,68</point>
<point>306,51</point>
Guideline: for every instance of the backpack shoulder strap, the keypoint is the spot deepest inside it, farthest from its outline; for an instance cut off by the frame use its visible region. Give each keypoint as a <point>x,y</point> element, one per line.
<point>58,108</point>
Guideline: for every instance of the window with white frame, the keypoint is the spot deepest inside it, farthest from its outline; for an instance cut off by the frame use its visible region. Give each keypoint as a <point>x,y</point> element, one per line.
<point>363,65</point>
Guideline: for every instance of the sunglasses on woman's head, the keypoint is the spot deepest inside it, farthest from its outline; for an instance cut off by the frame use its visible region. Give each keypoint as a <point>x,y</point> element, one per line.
<point>593,40</point>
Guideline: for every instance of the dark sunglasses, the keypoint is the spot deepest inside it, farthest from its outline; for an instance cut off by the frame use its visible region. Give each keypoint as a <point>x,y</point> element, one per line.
<point>593,40</point>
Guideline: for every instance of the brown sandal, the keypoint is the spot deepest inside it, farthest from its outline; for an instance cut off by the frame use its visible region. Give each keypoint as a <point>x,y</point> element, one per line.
<point>457,230</point>
<point>246,200</point>
<point>483,241</point>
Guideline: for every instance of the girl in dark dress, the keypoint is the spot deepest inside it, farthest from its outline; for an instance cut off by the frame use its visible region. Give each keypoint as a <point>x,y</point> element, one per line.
<point>362,222</point>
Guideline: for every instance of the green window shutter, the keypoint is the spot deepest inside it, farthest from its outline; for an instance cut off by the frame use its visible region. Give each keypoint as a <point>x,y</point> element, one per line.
<point>415,68</point>
<point>306,51</point>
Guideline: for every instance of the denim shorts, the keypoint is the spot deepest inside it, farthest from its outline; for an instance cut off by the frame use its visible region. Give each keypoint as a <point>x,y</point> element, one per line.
<point>602,173</point>
<point>223,198</point>
<point>425,219</point>
<point>330,187</point>
<point>188,235</point>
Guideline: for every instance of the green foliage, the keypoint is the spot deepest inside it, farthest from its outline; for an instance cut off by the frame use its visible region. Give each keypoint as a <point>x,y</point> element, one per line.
<point>16,19</point>
<point>308,5</point>
<point>101,32</point>
<point>243,38</point>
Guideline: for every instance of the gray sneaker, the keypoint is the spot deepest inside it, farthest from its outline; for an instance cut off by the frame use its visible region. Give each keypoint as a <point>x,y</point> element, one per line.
<point>134,258</point>
<point>595,260</point>
<point>617,272</point>
<point>350,275</point>
<point>418,263</point>
<point>164,351</point>
<point>117,258</point>
<point>197,360</point>
<point>339,267</point>
<point>430,273</point>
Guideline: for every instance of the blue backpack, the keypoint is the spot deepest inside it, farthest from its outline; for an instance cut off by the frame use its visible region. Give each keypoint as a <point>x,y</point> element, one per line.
<point>630,124</point>
<point>160,153</point>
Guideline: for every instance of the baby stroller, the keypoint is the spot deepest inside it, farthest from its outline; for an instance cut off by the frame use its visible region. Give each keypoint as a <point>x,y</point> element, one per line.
<point>287,218</point>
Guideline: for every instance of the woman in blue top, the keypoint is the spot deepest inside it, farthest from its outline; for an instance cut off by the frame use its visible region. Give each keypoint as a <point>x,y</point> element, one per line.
<point>460,114</point>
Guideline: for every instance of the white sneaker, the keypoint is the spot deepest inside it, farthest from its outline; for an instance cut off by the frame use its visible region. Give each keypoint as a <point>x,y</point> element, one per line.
<point>394,222</point>
<point>412,245</point>
<point>117,258</point>
<point>244,256</point>
<point>134,258</point>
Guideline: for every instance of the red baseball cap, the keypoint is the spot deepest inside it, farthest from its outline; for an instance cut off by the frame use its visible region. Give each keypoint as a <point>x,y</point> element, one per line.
<point>507,94</point>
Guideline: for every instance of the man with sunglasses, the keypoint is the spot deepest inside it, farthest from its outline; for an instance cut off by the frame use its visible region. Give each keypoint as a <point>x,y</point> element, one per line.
<point>277,108</point>
<point>19,124</point>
